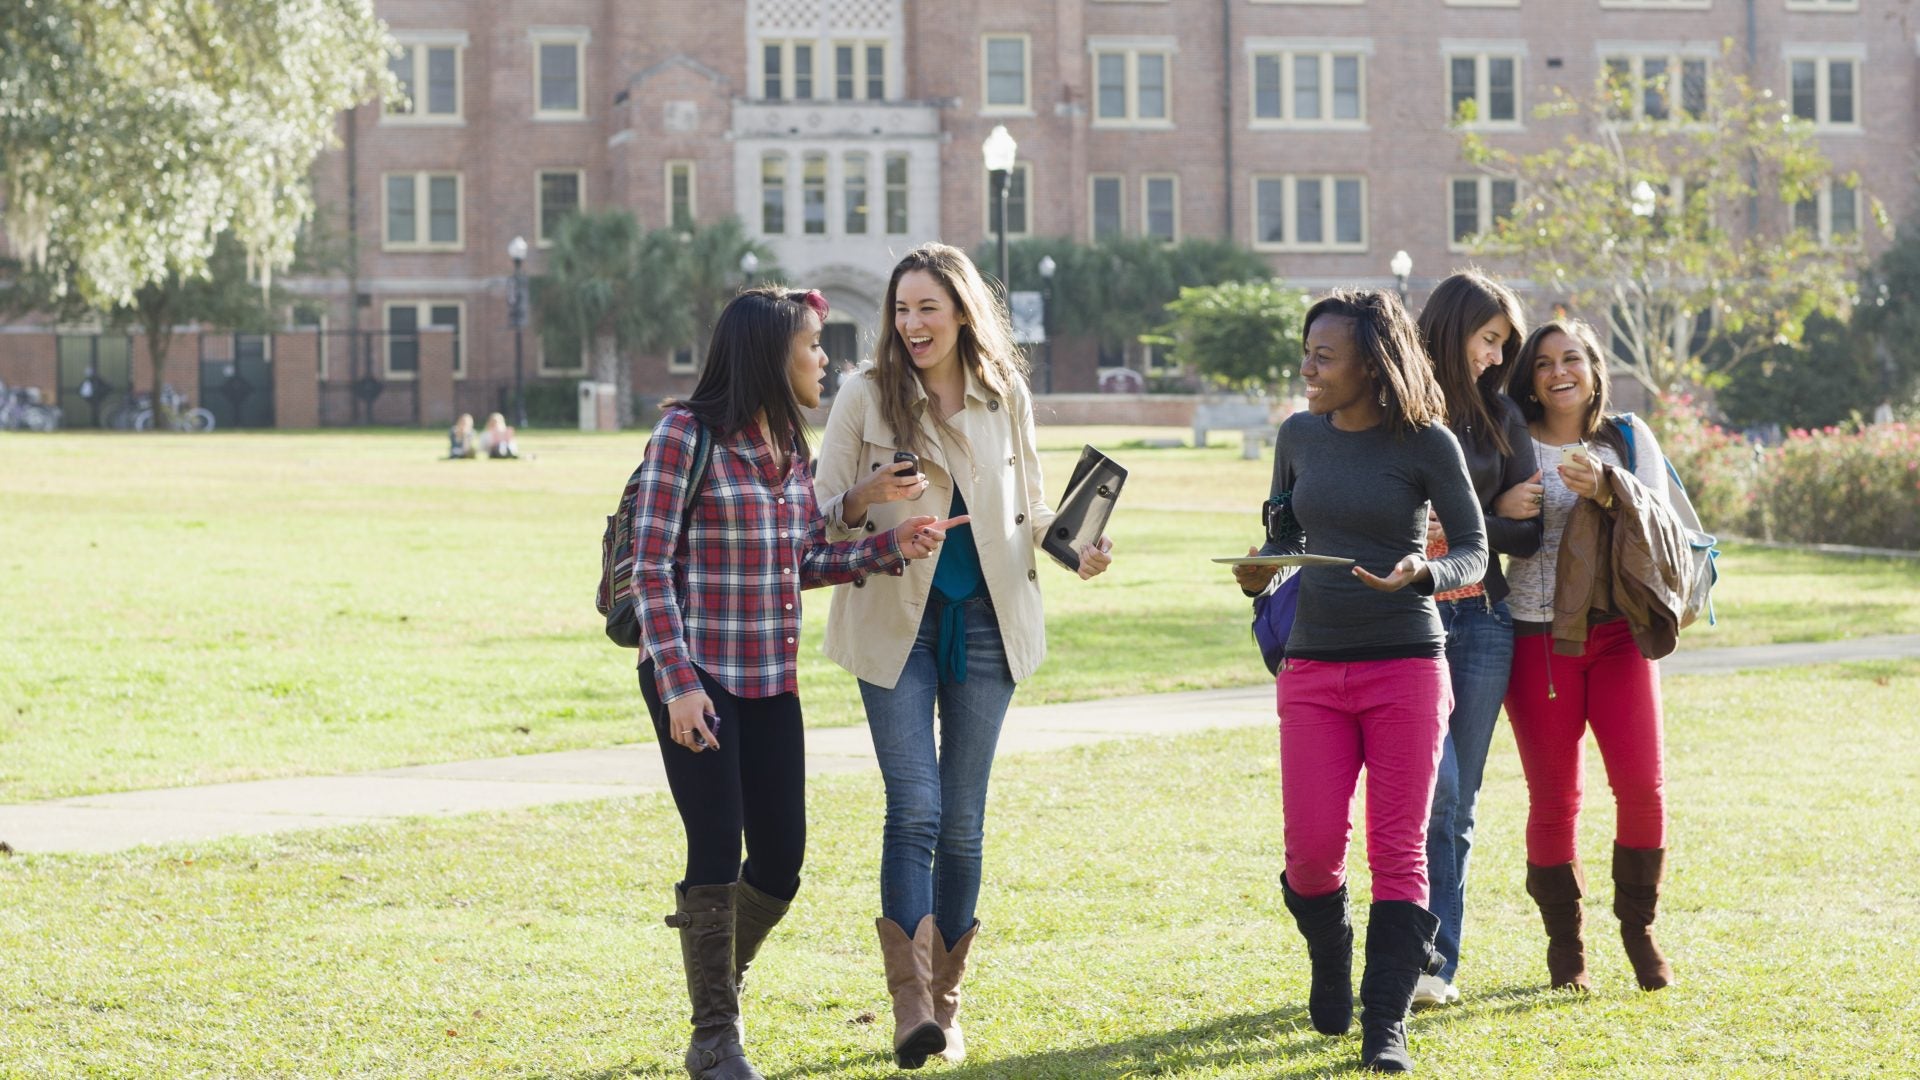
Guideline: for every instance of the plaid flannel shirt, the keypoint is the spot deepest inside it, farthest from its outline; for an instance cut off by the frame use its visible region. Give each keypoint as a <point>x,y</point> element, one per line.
<point>725,596</point>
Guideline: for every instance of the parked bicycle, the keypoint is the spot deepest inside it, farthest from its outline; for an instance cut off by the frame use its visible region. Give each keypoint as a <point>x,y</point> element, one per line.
<point>136,413</point>
<point>22,410</point>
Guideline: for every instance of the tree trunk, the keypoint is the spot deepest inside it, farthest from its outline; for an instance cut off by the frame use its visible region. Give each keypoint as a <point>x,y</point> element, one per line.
<point>606,369</point>
<point>159,330</point>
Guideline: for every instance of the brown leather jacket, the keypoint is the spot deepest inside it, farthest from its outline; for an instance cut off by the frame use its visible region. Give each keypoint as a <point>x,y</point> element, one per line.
<point>1627,561</point>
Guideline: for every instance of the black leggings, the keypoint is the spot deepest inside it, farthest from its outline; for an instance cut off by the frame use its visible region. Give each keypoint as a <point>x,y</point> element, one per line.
<point>754,784</point>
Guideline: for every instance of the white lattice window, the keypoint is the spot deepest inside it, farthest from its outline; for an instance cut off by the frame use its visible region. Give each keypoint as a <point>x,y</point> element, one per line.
<point>1484,87</point>
<point>1310,213</point>
<point>1308,84</point>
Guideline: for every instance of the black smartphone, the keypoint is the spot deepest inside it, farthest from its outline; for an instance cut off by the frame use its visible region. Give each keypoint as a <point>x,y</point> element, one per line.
<point>908,455</point>
<point>713,725</point>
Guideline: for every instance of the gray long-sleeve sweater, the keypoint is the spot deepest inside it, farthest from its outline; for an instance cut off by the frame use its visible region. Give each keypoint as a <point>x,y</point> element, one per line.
<point>1362,495</point>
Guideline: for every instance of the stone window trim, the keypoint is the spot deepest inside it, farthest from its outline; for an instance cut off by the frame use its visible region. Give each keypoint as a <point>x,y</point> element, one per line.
<point>1285,50</point>
<point>543,239</point>
<point>421,43</point>
<point>423,212</point>
<point>577,36</point>
<point>1023,107</point>
<point>861,71</point>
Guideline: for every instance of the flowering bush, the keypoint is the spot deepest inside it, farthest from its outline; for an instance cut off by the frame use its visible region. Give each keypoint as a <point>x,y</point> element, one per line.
<point>1825,486</point>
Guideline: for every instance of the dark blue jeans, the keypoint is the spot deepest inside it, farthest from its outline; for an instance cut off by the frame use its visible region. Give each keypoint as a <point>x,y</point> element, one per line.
<point>1480,657</point>
<point>937,786</point>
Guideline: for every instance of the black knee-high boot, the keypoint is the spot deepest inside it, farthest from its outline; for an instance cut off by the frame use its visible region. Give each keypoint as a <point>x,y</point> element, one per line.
<point>1324,922</point>
<point>1399,950</point>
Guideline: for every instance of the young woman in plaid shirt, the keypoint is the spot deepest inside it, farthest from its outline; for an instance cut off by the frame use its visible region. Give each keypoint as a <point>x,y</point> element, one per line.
<point>719,604</point>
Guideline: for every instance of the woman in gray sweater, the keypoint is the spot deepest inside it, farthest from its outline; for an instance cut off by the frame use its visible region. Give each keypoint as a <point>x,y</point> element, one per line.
<point>1364,682</point>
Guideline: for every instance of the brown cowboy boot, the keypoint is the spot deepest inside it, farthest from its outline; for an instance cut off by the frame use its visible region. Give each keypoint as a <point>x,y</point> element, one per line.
<point>949,968</point>
<point>1558,889</point>
<point>1636,899</point>
<point>909,963</point>
<point>704,917</point>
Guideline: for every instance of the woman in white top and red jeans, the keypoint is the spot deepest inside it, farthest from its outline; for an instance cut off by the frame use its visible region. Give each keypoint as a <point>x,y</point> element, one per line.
<point>1560,384</point>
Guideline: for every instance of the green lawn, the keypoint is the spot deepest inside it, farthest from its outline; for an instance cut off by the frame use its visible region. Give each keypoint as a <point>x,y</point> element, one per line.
<point>185,610</point>
<point>1133,928</point>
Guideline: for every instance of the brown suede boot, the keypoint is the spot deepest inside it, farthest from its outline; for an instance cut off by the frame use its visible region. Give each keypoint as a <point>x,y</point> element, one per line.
<point>949,968</point>
<point>1558,889</point>
<point>909,962</point>
<point>1636,900</point>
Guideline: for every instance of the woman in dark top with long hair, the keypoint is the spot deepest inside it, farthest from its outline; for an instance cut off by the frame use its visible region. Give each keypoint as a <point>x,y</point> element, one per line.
<point>1471,327</point>
<point>719,606</point>
<point>1364,682</point>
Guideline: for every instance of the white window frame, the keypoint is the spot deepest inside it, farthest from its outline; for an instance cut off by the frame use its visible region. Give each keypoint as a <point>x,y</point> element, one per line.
<point>856,164</point>
<point>544,367</point>
<point>1636,54</point>
<point>578,37</point>
<point>786,178</point>
<point>1284,50</point>
<point>1823,57</point>
<point>1146,205</point>
<point>1131,50</point>
<point>887,189</point>
<point>692,365</point>
<point>1025,105</point>
<point>862,73</point>
<point>318,327</point>
<point>541,239</point>
<point>1120,215</point>
<point>423,212</point>
<point>1823,200</point>
<point>789,71</point>
<point>692,168</point>
<point>1329,213</point>
<point>1483,208</point>
<point>1482,54</point>
<point>820,183</point>
<point>1023,174</point>
<point>1824,5</point>
<point>1658,5</point>
<point>422,306</point>
<point>416,115</point>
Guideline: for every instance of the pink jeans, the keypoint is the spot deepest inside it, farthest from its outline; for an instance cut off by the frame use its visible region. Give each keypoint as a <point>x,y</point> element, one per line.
<point>1391,717</point>
<point>1615,691</point>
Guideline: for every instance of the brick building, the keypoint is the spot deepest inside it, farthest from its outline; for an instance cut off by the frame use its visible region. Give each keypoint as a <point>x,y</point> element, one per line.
<point>845,131</point>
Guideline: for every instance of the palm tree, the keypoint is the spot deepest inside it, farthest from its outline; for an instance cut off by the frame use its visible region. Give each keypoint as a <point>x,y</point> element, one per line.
<point>617,290</point>
<point>710,272</point>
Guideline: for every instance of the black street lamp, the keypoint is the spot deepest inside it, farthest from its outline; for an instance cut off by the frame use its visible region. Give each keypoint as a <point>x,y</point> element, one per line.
<point>999,150</point>
<point>1047,268</point>
<point>1402,265</point>
<point>517,316</point>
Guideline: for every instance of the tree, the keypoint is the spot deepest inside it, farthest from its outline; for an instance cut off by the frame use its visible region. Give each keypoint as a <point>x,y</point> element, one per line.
<point>135,133</point>
<point>710,272</point>
<point>1825,378</point>
<point>1645,220</point>
<point>1243,335</point>
<point>616,289</point>
<point>1889,315</point>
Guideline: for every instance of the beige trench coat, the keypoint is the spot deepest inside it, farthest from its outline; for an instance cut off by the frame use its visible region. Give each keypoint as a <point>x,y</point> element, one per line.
<point>872,624</point>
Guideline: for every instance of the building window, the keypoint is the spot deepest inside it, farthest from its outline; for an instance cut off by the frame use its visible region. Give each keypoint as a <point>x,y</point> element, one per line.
<point>813,194</point>
<point>681,361</point>
<point>1832,214</point>
<point>1655,86</point>
<point>559,194</point>
<point>1004,82</point>
<point>859,71</point>
<point>1160,207</point>
<point>1308,87</point>
<point>773,194</point>
<point>1018,202</point>
<point>1131,86</point>
<point>429,76</point>
<point>404,322</point>
<point>1659,5</point>
<point>896,194</point>
<point>681,209</point>
<point>1486,86</point>
<point>1310,213</point>
<point>1826,90</point>
<point>557,75</point>
<point>423,212</point>
<point>854,177</point>
<point>1108,206</point>
<point>787,70</point>
<point>1823,5</point>
<point>1477,204</point>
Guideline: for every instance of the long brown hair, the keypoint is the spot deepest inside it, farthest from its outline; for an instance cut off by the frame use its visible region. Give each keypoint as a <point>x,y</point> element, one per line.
<point>1458,307</point>
<point>985,346</point>
<point>1593,426</point>
<point>1395,360</point>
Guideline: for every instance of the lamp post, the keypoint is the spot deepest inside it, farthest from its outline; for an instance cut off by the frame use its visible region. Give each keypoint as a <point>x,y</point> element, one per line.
<point>999,149</point>
<point>517,315</point>
<point>1047,267</point>
<point>1401,264</point>
<point>749,264</point>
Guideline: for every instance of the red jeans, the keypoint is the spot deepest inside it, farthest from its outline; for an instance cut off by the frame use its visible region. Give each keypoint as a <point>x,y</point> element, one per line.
<point>1615,691</point>
<point>1388,715</point>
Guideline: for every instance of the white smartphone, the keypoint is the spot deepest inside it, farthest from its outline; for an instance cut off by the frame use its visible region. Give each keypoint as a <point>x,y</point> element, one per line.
<point>1573,452</point>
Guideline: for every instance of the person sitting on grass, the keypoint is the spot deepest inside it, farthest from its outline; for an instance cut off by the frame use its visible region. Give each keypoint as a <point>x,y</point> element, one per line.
<point>460,442</point>
<point>497,440</point>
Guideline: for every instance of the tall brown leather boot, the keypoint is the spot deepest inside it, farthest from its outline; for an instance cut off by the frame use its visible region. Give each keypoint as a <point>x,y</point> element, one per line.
<point>704,917</point>
<point>755,914</point>
<point>909,962</point>
<point>949,968</point>
<point>1558,889</point>
<point>1636,900</point>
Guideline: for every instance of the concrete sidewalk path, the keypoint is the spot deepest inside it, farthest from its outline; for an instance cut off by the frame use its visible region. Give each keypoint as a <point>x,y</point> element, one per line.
<point>123,820</point>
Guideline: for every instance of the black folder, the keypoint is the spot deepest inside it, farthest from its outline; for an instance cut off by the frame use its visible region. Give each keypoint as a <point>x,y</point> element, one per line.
<point>1081,517</point>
